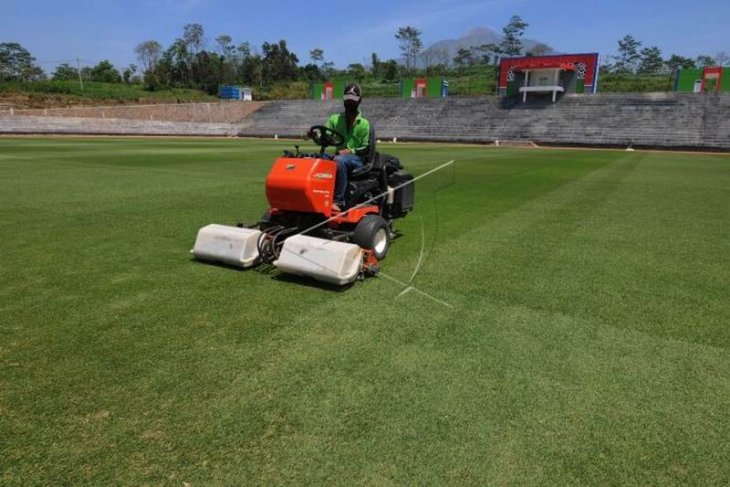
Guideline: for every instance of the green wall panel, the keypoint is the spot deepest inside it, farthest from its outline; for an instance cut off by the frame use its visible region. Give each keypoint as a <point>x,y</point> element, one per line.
<point>433,89</point>
<point>407,86</point>
<point>338,86</point>
<point>317,90</point>
<point>687,79</point>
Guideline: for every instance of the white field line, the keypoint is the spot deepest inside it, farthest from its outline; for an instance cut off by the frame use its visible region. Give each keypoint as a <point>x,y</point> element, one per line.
<point>413,288</point>
<point>408,287</point>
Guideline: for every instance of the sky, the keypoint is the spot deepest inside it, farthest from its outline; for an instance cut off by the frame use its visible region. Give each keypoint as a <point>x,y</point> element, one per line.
<point>57,31</point>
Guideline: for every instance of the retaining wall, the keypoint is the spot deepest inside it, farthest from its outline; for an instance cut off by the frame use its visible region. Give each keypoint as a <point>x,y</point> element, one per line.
<point>219,112</point>
<point>19,124</point>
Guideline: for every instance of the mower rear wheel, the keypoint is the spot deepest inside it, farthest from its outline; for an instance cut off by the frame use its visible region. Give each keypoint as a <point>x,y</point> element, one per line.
<point>372,233</point>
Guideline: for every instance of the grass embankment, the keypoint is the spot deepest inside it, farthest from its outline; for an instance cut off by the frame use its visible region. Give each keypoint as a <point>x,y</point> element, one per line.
<point>49,94</point>
<point>467,81</point>
<point>577,336</point>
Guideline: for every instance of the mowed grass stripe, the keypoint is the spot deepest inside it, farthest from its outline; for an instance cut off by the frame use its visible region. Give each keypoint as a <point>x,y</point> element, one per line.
<point>563,360</point>
<point>594,247</point>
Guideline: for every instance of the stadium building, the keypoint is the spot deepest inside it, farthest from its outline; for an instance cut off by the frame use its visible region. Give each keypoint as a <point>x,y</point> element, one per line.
<point>548,75</point>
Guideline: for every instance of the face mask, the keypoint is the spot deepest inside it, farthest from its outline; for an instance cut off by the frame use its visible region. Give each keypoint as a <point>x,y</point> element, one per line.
<point>351,108</point>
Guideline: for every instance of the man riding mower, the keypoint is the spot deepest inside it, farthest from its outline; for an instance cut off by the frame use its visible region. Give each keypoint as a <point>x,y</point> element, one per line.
<point>301,233</point>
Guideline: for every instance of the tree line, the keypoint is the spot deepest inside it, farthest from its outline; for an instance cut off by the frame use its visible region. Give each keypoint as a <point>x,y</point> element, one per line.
<point>632,57</point>
<point>191,62</point>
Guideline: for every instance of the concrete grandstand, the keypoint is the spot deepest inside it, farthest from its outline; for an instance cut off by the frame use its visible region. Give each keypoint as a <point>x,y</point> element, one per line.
<point>657,120</point>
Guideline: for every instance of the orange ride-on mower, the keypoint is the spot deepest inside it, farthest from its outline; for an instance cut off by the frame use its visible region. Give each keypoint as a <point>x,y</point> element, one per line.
<point>300,234</point>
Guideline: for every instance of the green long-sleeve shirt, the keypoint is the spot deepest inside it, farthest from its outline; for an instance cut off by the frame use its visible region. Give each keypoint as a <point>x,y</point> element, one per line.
<point>357,139</point>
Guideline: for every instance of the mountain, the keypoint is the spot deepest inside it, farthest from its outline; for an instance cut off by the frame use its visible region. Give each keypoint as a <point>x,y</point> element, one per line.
<point>476,37</point>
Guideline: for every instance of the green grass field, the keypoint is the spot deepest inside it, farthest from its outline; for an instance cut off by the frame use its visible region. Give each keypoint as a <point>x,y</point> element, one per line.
<point>569,324</point>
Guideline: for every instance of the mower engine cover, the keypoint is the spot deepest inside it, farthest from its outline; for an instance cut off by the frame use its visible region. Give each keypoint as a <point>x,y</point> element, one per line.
<point>302,184</point>
<point>325,260</point>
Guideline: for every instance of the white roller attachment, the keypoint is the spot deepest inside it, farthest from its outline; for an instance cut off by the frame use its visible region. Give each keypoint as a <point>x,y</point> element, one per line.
<point>227,245</point>
<point>325,260</point>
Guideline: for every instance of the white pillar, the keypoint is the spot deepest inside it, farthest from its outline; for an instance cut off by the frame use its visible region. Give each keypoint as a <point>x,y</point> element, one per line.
<point>527,83</point>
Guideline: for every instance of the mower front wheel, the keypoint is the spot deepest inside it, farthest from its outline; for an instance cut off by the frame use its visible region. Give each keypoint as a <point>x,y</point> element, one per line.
<point>372,233</point>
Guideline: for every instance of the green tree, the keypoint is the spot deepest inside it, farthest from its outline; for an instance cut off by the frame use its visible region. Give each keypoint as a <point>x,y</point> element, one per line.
<point>251,70</point>
<point>628,54</point>
<point>225,46</point>
<point>174,68</point>
<point>316,55</point>
<point>357,71</point>
<point>390,70</point>
<point>511,44</point>
<point>486,53</point>
<point>244,50</point>
<point>194,37</point>
<point>105,72</point>
<point>375,61</point>
<point>676,62</point>
<point>328,69</point>
<point>650,60</point>
<point>148,54</point>
<point>227,61</point>
<point>703,61</point>
<point>278,63</point>
<point>128,74</point>
<point>311,73</point>
<point>65,72</point>
<point>208,72</point>
<point>182,67</point>
<point>410,42</point>
<point>17,64</point>
<point>464,57</point>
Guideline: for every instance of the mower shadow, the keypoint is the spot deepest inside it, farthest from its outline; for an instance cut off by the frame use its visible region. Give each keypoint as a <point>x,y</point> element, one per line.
<point>306,281</point>
<point>219,264</point>
<point>275,274</point>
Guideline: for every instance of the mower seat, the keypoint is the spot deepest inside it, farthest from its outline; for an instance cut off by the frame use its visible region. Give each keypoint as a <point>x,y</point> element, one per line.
<point>370,159</point>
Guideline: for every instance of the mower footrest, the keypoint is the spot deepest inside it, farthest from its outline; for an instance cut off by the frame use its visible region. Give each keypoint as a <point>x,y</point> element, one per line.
<point>227,245</point>
<point>325,260</point>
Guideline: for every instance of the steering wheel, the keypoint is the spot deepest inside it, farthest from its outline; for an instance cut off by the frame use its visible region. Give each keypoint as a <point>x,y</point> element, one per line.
<point>325,136</point>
